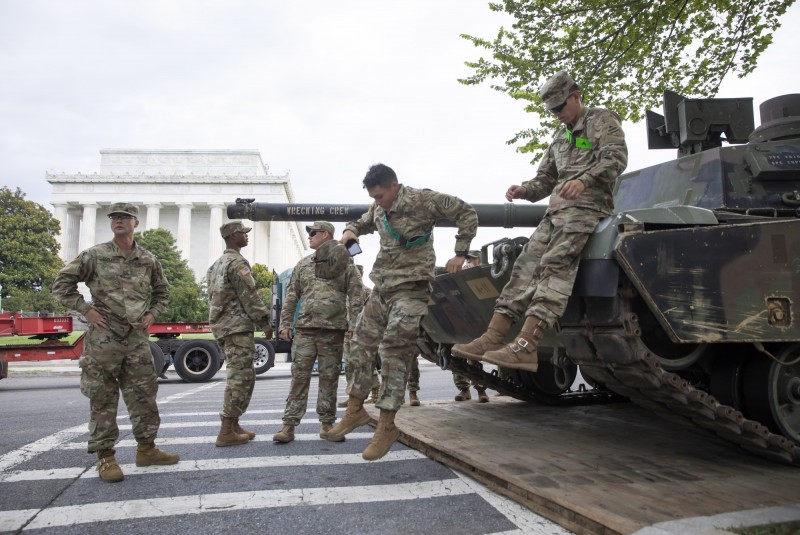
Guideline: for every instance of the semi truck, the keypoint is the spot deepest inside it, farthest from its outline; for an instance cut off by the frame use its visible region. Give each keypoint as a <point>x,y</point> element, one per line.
<point>195,360</point>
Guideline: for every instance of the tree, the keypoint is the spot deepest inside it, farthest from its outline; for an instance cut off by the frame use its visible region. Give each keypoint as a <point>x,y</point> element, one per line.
<point>623,53</point>
<point>29,259</point>
<point>187,301</point>
<point>264,278</point>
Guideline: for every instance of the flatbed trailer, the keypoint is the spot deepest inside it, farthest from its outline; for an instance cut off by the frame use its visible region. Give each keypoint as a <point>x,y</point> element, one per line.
<point>194,360</point>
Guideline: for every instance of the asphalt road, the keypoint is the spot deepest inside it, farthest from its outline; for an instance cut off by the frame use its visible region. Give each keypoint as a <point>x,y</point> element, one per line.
<point>48,482</point>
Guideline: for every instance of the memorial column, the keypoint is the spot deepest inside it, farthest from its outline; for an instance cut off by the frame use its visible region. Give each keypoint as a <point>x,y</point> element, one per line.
<point>153,215</point>
<point>215,246</point>
<point>88,226</point>
<point>185,230</point>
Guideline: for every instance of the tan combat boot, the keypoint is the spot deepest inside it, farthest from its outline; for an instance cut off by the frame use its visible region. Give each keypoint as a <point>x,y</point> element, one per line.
<point>413,399</point>
<point>147,454</point>
<point>482,397</point>
<point>354,416</point>
<point>241,430</point>
<point>373,396</point>
<point>463,395</point>
<point>108,468</point>
<point>286,434</point>
<point>521,353</point>
<point>490,340</point>
<point>342,403</point>
<point>385,435</point>
<point>228,436</point>
<point>323,432</point>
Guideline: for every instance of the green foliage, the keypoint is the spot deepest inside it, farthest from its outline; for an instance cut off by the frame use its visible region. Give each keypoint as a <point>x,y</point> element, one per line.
<point>623,53</point>
<point>29,259</point>
<point>264,278</point>
<point>187,300</point>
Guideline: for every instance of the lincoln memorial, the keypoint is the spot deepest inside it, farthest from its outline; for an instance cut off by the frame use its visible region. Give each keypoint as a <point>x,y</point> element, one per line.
<point>183,191</point>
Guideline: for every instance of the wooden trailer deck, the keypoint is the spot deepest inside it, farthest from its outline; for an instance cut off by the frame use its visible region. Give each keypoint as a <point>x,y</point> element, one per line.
<point>606,468</point>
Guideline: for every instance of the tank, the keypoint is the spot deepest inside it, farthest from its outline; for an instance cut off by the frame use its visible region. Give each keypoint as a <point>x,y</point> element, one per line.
<point>686,299</point>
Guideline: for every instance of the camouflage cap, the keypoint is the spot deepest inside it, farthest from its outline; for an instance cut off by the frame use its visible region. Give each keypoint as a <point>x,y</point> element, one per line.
<point>330,259</point>
<point>233,226</point>
<point>473,254</point>
<point>321,225</point>
<point>556,90</point>
<point>124,208</point>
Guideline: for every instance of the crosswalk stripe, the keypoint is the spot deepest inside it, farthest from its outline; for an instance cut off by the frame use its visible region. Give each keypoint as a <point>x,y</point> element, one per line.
<point>193,465</point>
<point>181,441</point>
<point>239,501</point>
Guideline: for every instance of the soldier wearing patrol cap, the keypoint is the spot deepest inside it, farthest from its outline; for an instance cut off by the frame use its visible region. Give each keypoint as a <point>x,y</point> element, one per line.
<point>234,312</point>
<point>326,286</point>
<point>578,172</point>
<point>129,291</point>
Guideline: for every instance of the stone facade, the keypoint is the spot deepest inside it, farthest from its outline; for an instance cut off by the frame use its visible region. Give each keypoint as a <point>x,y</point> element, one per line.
<point>184,191</point>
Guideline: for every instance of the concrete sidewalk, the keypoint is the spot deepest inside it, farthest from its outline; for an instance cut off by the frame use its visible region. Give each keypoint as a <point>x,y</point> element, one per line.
<point>43,368</point>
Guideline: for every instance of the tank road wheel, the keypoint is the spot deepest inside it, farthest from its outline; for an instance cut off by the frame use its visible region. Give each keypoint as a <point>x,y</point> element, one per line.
<point>727,378</point>
<point>549,380</point>
<point>265,356</point>
<point>159,362</point>
<point>197,361</point>
<point>772,392</point>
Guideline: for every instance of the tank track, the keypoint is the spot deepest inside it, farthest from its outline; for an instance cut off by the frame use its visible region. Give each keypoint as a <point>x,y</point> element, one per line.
<point>617,358</point>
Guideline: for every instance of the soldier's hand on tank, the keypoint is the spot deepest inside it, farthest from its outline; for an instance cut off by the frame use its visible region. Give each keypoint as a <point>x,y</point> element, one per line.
<point>286,334</point>
<point>455,264</point>
<point>572,189</point>
<point>95,318</point>
<point>515,192</point>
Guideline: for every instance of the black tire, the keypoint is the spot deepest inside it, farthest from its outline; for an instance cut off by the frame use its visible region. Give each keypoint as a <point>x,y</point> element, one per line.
<point>159,362</point>
<point>197,361</point>
<point>264,358</point>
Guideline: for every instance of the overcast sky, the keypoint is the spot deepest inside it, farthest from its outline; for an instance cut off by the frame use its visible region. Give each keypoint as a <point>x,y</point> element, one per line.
<point>322,89</point>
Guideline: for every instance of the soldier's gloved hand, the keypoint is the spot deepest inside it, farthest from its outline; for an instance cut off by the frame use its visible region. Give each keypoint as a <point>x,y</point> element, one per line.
<point>286,334</point>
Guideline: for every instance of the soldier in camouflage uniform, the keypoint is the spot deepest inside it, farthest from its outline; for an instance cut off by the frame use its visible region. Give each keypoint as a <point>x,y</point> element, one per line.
<point>320,330</point>
<point>578,171</point>
<point>473,259</point>
<point>129,291</point>
<point>388,326</point>
<point>348,369</point>
<point>234,311</point>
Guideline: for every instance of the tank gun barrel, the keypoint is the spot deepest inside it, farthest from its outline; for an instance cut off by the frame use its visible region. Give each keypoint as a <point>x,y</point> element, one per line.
<point>505,215</point>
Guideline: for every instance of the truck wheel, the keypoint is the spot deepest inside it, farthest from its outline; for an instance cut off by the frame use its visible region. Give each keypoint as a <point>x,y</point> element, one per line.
<point>159,362</point>
<point>197,361</point>
<point>264,358</point>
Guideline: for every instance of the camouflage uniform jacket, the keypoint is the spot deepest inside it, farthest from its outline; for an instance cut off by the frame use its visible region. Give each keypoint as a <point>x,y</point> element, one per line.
<point>326,303</point>
<point>123,287</point>
<point>413,213</point>
<point>597,167</point>
<point>233,303</point>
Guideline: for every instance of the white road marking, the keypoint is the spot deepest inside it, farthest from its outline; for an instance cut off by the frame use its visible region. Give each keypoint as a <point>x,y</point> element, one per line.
<point>193,465</point>
<point>239,501</point>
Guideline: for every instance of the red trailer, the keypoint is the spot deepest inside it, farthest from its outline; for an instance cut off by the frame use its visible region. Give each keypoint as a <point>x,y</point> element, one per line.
<point>194,360</point>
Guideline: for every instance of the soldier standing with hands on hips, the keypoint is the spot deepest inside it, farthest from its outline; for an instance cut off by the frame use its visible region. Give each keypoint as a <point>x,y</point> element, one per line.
<point>578,172</point>
<point>388,326</point>
<point>129,291</point>
<point>234,311</point>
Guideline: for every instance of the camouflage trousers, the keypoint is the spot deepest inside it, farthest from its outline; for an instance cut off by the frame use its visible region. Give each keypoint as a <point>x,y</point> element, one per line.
<point>348,368</point>
<point>544,273</point>
<point>239,350</point>
<point>388,327</point>
<point>110,364</point>
<point>325,346</point>
<point>413,375</point>
<point>462,382</point>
